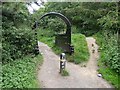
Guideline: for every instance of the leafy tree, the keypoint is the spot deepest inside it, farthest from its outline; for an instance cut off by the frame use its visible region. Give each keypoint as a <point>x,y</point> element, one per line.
<point>18,39</point>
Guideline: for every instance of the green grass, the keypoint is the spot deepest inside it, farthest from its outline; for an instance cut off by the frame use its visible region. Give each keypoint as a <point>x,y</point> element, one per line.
<point>21,73</point>
<point>81,50</point>
<point>80,45</point>
<point>50,42</point>
<point>108,74</point>
<point>65,73</point>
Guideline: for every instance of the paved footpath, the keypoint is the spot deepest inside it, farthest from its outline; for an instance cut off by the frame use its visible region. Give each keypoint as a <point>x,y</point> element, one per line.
<point>80,77</point>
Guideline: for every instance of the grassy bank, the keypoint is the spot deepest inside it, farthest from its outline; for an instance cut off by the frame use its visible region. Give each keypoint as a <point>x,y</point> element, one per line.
<point>81,49</point>
<point>108,74</point>
<point>80,45</point>
<point>21,73</point>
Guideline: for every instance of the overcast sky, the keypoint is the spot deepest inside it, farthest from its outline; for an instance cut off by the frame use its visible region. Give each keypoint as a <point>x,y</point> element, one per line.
<point>34,6</point>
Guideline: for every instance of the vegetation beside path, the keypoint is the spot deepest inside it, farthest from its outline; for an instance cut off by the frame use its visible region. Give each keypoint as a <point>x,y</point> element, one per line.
<point>79,42</point>
<point>18,40</point>
<point>21,73</point>
<point>108,61</point>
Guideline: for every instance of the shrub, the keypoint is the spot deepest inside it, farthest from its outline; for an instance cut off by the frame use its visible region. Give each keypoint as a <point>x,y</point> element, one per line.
<point>18,39</point>
<point>17,43</point>
<point>21,73</point>
<point>109,50</point>
<point>111,58</point>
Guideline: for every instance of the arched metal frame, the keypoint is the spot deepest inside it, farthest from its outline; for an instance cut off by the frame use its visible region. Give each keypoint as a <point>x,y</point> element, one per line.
<point>65,19</point>
<point>61,40</point>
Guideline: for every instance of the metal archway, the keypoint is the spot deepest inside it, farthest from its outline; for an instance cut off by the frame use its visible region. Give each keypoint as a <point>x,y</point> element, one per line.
<point>61,40</point>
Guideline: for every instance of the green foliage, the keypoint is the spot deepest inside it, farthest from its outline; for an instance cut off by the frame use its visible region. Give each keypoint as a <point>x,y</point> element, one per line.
<point>108,63</point>
<point>88,17</point>
<point>110,20</point>
<point>108,74</point>
<point>64,73</point>
<point>49,40</point>
<point>18,39</point>
<point>109,50</point>
<point>81,50</point>
<point>107,39</point>
<point>54,25</point>
<point>21,73</point>
<point>17,43</point>
<point>109,45</point>
<point>112,59</point>
<point>82,15</point>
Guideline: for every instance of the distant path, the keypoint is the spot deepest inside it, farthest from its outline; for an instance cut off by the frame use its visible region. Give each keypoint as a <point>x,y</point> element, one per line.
<point>80,77</point>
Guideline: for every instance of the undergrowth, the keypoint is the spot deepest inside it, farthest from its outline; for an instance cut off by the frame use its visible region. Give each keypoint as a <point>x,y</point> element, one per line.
<point>21,73</point>
<point>109,72</point>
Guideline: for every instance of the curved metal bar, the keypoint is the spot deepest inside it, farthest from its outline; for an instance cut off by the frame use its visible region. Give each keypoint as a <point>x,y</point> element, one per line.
<point>59,15</point>
<point>65,19</point>
<point>64,40</point>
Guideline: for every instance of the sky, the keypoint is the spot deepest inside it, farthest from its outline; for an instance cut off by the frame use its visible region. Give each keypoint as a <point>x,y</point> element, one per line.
<point>34,6</point>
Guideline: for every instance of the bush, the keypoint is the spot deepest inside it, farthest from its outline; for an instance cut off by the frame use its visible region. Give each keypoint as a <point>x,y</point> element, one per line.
<point>17,43</point>
<point>111,58</point>
<point>21,73</point>
<point>109,65</point>
<point>53,25</point>
<point>109,50</point>
<point>18,39</point>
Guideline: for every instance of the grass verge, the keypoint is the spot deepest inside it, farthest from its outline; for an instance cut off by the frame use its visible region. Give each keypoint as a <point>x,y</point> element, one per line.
<point>78,41</point>
<point>21,73</point>
<point>81,49</point>
<point>108,74</point>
